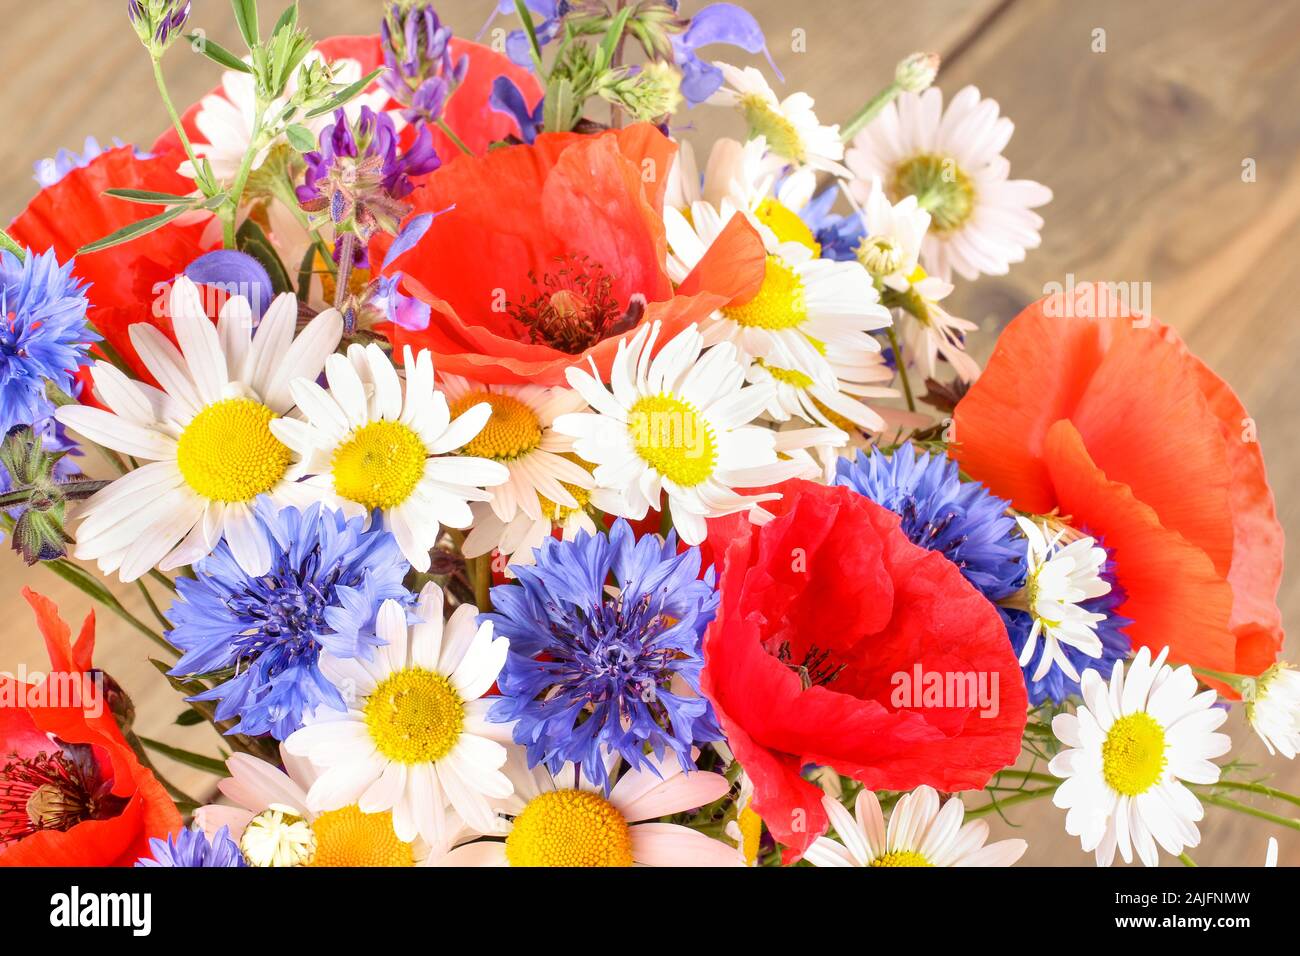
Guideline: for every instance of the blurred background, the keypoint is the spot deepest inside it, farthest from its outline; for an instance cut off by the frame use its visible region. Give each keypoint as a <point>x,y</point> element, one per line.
<point>1141,117</point>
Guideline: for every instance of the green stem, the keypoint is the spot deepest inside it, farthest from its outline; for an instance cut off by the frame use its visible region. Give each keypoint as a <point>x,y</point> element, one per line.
<point>901,363</point>
<point>7,242</point>
<point>1258,788</point>
<point>1186,860</point>
<point>230,211</point>
<point>480,575</point>
<point>1232,680</point>
<point>1023,797</point>
<point>187,757</point>
<point>80,579</point>
<point>868,112</point>
<point>176,122</point>
<point>163,580</point>
<point>451,135</point>
<point>148,599</point>
<point>1228,804</point>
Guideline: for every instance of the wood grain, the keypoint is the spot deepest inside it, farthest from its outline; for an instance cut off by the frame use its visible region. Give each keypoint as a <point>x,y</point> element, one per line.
<point>1143,145</point>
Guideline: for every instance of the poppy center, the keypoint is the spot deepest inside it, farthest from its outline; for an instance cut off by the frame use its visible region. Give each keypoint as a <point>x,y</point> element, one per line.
<point>53,791</point>
<point>227,452</point>
<point>572,306</point>
<point>569,828</point>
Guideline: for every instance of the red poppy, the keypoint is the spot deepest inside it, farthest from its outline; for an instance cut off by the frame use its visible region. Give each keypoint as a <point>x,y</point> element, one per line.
<point>1113,423</point>
<point>128,282</point>
<point>467,111</point>
<point>840,643</point>
<point>542,251</point>
<point>72,792</point>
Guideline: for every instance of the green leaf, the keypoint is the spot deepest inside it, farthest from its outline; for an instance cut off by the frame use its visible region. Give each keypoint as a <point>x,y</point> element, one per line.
<point>344,95</point>
<point>305,270</point>
<point>218,54</point>
<point>190,759</point>
<point>7,242</point>
<point>189,718</point>
<point>246,17</point>
<point>301,138</point>
<point>148,197</point>
<point>252,240</point>
<point>288,20</point>
<point>560,111</point>
<point>534,47</point>
<point>609,45</point>
<point>134,230</point>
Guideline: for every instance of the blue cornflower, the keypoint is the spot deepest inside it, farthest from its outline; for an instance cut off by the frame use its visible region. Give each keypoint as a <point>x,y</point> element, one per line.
<point>961,520</point>
<point>1116,645</point>
<point>51,170</point>
<point>262,636</point>
<point>724,23</point>
<point>43,334</point>
<point>839,236</point>
<point>192,848</point>
<point>603,685</point>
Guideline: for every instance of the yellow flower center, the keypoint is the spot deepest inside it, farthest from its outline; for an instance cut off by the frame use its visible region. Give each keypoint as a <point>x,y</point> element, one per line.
<point>379,465</point>
<point>765,119</point>
<point>788,376</point>
<point>751,834</point>
<point>348,837</point>
<point>1133,754</point>
<point>512,431</point>
<point>880,256</point>
<point>569,828</point>
<point>940,188</point>
<point>901,858</point>
<point>673,438</point>
<point>786,224</point>
<point>227,452</point>
<point>415,716</point>
<point>779,304</point>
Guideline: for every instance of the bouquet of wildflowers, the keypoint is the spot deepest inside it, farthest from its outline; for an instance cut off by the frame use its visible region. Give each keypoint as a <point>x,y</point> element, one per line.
<point>514,484</point>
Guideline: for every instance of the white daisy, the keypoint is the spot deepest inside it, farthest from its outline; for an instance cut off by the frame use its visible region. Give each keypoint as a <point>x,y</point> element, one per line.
<point>565,820</point>
<point>806,308</point>
<point>207,434</point>
<point>415,737</point>
<point>746,830</point>
<point>798,394</point>
<point>791,128</point>
<point>891,250</point>
<point>1058,580</point>
<point>1133,744</point>
<point>952,162</point>
<point>364,447</point>
<point>677,423</point>
<point>1273,708</point>
<point>547,487</point>
<point>929,332</point>
<point>1270,855</point>
<point>274,824</point>
<point>920,833</point>
<point>226,119</point>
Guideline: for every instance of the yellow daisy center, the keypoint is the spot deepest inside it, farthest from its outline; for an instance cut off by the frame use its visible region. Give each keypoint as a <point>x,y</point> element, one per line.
<point>901,858</point>
<point>940,188</point>
<point>788,376</point>
<point>1133,754</point>
<point>348,837</point>
<point>673,438</point>
<point>779,304</point>
<point>751,834</point>
<point>786,224</point>
<point>569,828</point>
<point>415,716</point>
<point>765,119</point>
<point>512,431</point>
<point>227,452</point>
<point>379,465</point>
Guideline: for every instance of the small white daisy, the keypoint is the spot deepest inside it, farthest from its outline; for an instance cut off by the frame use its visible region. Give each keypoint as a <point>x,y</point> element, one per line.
<point>677,422</point>
<point>365,447</point>
<point>416,736</point>
<point>208,435</point>
<point>791,128</point>
<point>226,119</point>
<point>565,820</point>
<point>952,162</point>
<point>1058,580</point>
<point>1273,708</point>
<point>806,308</point>
<point>274,824</point>
<point>920,833</point>
<point>891,250</point>
<point>1132,744</point>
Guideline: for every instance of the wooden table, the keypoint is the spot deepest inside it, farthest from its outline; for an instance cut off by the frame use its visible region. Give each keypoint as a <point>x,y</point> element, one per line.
<point>1139,116</point>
